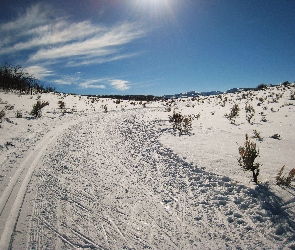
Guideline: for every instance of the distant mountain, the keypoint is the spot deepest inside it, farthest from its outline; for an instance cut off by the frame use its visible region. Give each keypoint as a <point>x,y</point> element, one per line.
<point>233,90</point>
<point>196,94</point>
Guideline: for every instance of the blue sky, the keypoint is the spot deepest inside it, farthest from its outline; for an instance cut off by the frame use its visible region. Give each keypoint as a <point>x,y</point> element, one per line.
<point>152,47</point>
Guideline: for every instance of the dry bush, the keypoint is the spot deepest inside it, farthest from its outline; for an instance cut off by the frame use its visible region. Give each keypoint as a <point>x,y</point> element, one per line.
<point>248,155</point>
<point>197,116</point>
<point>250,111</point>
<point>2,115</point>
<point>257,135</point>
<point>61,104</point>
<point>181,122</point>
<point>176,120</point>
<point>272,110</point>
<point>37,108</point>
<point>19,114</point>
<point>276,136</point>
<point>234,113</point>
<point>283,180</point>
<point>168,109</point>
<point>263,119</point>
<point>9,107</point>
<point>262,87</point>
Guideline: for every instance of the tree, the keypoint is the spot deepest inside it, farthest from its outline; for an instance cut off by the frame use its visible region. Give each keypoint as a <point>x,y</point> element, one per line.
<point>16,78</point>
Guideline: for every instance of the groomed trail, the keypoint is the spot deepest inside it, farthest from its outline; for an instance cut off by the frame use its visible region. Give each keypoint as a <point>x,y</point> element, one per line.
<point>14,191</point>
<point>108,183</point>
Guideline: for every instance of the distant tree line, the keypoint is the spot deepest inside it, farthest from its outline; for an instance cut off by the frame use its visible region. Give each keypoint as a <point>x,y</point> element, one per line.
<point>130,97</point>
<point>264,86</point>
<point>16,78</point>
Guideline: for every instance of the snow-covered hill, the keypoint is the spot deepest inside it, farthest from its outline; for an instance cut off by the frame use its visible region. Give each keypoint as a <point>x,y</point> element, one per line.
<point>104,174</point>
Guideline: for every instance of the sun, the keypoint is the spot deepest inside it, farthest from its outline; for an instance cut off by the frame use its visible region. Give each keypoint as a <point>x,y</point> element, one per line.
<point>151,2</point>
<point>154,7</point>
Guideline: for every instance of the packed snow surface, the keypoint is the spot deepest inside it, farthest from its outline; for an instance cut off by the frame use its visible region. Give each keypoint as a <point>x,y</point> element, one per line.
<point>109,174</point>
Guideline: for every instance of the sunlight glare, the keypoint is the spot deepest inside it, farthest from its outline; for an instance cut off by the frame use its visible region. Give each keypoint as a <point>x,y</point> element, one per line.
<point>155,8</point>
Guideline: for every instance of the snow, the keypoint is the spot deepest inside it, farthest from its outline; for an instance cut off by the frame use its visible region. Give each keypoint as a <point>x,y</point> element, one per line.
<point>86,178</point>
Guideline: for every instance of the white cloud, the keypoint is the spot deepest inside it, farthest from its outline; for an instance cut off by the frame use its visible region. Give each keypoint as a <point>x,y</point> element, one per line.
<point>68,80</point>
<point>103,59</point>
<point>34,16</point>
<point>44,37</point>
<point>38,72</point>
<point>119,84</point>
<point>90,84</point>
<point>63,82</point>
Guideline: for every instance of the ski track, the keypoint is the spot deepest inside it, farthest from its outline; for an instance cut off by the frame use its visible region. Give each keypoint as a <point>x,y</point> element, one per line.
<point>107,183</point>
<point>13,194</point>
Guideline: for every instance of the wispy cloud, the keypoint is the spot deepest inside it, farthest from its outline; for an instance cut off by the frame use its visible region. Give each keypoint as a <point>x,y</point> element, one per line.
<point>67,80</point>
<point>39,72</point>
<point>84,60</point>
<point>119,84</point>
<point>43,37</point>
<point>91,84</point>
<point>63,82</point>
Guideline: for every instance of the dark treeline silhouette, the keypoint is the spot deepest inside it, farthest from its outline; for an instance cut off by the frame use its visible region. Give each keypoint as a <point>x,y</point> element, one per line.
<point>16,78</point>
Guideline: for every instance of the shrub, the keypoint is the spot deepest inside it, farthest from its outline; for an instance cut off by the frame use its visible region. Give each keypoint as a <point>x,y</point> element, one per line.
<point>2,114</point>
<point>9,107</point>
<point>176,120</point>
<point>168,109</point>
<point>180,122</point>
<point>257,135</point>
<point>37,107</point>
<point>286,83</point>
<point>248,155</point>
<point>286,181</point>
<point>250,111</point>
<point>19,114</point>
<point>187,124</point>
<point>234,113</point>
<point>197,116</point>
<point>261,87</point>
<point>61,104</point>
<point>292,95</point>
<point>263,119</point>
<point>276,136</point>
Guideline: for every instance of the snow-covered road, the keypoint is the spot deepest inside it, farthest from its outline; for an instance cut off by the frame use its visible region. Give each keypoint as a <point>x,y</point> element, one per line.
<point>108,183</point>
